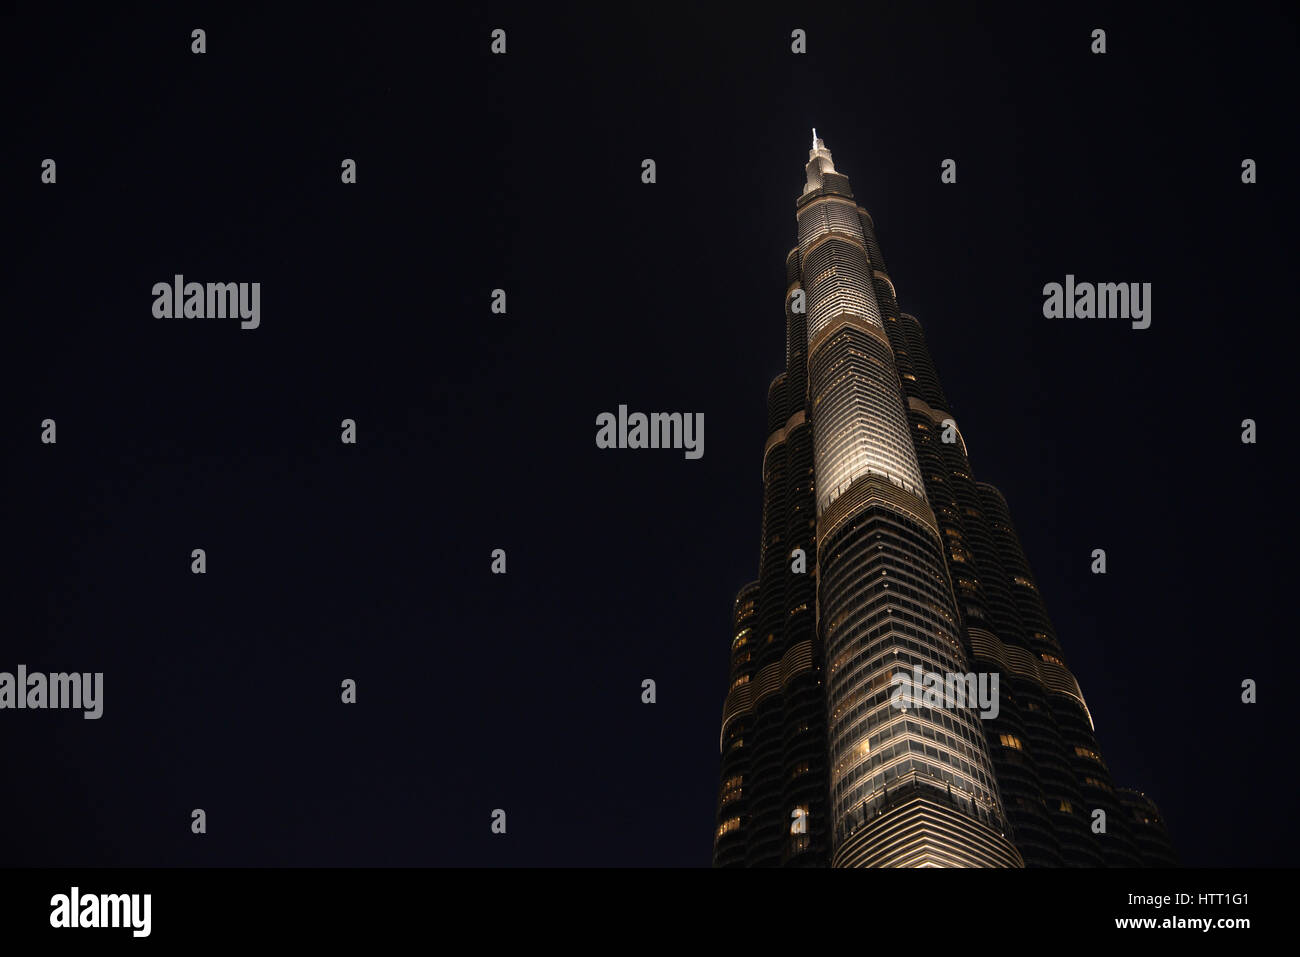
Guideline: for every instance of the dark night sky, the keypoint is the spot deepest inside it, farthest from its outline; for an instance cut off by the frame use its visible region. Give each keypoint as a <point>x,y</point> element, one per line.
<point>477,431</point>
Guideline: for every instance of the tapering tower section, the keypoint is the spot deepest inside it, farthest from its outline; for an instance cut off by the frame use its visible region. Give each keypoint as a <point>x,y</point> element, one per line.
<point>908,786</point>
<point>881,560</point>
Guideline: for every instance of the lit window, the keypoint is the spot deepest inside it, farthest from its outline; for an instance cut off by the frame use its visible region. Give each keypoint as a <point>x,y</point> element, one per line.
<point>731,789</point>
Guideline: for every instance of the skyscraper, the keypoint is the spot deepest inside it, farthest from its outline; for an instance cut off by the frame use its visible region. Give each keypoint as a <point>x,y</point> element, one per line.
<point>881,556</point>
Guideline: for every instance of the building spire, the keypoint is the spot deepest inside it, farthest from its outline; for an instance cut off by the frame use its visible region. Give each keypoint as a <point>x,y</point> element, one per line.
<point>819,162</point>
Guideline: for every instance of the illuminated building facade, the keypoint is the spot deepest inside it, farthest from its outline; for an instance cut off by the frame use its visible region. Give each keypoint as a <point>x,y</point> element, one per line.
<point>879,555</point>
